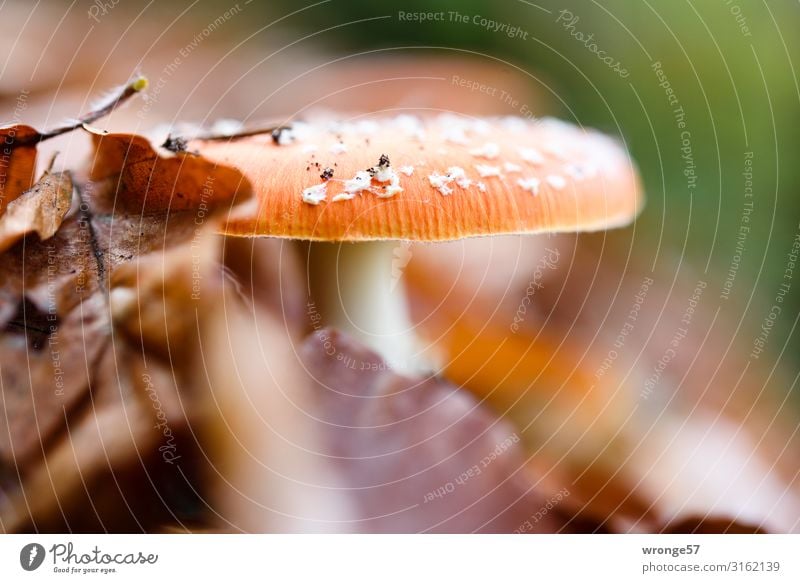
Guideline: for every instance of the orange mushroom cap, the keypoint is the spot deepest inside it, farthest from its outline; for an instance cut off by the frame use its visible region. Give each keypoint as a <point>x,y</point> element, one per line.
<point>434,179</point>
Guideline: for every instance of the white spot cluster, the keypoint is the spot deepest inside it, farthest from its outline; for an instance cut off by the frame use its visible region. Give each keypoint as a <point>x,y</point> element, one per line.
<point>358,183</point>
<point>457,129</point>
<point>384,173</point>
<point>367,127</point>
<point>295,132</point>
<point>338,148</point>
<point>530,184</point>
<point>343,196</point>
<point>361,181</point>
<point>409,125</point>
<point>387,174</point>
<point>556,150</point>
<point>457,173</point>
<point>442,182</point>
<point>515,124</point>
<point>490,151</point>
<point>226,126</point>
<point>456,135</point>
<point>562,153</point>
<point>531,156</point>
<point>315,194</point>
<point>556,181</point>
<point>487,171</point>
<point>580,172</point>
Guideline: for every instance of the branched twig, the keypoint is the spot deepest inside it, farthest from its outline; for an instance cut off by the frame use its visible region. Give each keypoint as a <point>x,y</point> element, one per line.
<point>114,100</point>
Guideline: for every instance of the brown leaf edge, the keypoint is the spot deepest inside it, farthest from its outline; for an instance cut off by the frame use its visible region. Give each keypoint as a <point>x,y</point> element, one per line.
<point>18,142</point>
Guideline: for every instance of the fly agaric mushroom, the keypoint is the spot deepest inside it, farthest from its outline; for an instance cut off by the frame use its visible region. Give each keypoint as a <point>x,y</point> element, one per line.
<point>367,183</point>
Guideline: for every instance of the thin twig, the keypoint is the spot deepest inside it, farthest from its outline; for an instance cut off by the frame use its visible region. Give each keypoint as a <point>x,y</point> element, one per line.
<point>116,99</point>
<point>52,162</point>
<point>243,134</point>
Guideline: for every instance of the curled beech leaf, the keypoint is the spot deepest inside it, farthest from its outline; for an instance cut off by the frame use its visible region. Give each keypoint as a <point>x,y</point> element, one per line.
<point>144,180</point>
<point>39,210</point>
<point>18,142</point>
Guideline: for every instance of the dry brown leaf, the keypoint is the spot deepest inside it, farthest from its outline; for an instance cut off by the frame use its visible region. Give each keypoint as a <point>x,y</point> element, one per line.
<point>39,210</point>
<point>133,394</point>
<point>148,181</point>
<point>78,349</point>
<point>419,454</point>
<point>44,364</point>
<point>17,162</point>
<point>18,142</point>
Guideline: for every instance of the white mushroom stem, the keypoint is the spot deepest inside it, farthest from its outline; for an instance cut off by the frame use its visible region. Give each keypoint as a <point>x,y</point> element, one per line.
<point>360,291</point>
